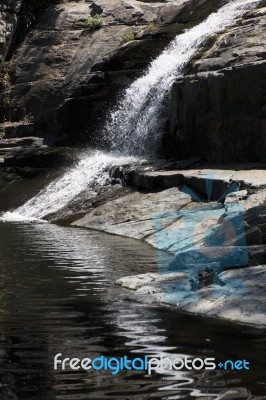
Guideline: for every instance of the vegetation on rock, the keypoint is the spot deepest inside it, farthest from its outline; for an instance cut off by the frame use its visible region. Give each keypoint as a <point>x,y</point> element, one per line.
<point>28,119</point>
<point>5,86</point>
<point>94,22</point>
<point>129,36</point>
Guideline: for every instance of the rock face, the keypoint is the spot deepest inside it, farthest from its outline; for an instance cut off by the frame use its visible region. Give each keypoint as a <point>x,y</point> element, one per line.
<point>241,298</point>
<point>27,166</point>
<point>8,22</point>
<point>218,110</point>
<point>73,67</point>
<point>155,216</point>
<point>134,215</point>
<point>214,253</point>
<point>204,220</point>
<point>197,240</point>
<point>78,69</point>
<point>79,55</point>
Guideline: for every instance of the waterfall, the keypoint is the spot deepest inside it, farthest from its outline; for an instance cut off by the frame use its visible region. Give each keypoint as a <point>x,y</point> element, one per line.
<point>134,127</point>
<point>91,170</point>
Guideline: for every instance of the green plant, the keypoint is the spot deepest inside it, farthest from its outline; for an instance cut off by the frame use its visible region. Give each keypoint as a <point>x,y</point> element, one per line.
<point>27,119</point>
<point>5,87</point>
<point>6,100</point>
<point>5,77</point>
<point>94,22</point>
<point>151,24</point>
<point>2,134</point>
<point>129,36</point>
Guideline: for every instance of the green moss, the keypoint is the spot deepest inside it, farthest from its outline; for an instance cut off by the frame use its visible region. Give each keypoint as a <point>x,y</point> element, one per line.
<point>5,77</point>
<point>5,88</point>
<point>129,36</point>
<point>94,23</point>
<point>28,119</point>
<point>149,24</point>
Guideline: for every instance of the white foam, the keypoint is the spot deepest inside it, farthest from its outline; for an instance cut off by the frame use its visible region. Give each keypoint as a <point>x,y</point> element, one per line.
<point>91,170</point>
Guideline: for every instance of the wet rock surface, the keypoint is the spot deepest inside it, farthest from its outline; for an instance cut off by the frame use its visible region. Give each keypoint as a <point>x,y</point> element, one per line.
<point>218,110</point>
<point>211,195</point>
<point>8,146</point>
<point>27,166</point>
<point>72,67</point>
<point>240,299</point>
<point>86,201</point>
<point>19,184</point>
<point>201,238</point>
<point>41,157</point>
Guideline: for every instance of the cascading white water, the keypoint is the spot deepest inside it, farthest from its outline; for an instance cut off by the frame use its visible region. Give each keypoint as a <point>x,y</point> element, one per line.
<point>134,127</point>
<point>90,170</point>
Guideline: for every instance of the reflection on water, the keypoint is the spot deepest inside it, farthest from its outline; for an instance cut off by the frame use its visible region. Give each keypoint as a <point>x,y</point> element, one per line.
<point>57,295</point>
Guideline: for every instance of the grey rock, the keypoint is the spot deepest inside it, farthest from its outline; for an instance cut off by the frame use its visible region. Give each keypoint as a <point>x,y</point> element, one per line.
<point>253,235</point>
<point>257,198</point>
<point>241,298</point>
<point>11,146</point>
<point>71,69</point>
<point>243,44</point>
<point>78,72</point>
<point>159,218</point>
<point>42,157</point>
<point>235,197</point>
<point>135,282</point>
<point>256,217</point>
<point>195,175</point>
<point>135,215</point>
<point>217,258</point>
<point>26,141</point>
<point>17,130</point>
<point>218,110</point>
<point>11,5</point>
<point>88,200</point>
<point>8,24</point>
<point>253,210</point>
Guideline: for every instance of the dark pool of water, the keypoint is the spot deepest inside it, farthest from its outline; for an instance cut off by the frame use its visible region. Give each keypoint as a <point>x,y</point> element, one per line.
<point>57,294</point>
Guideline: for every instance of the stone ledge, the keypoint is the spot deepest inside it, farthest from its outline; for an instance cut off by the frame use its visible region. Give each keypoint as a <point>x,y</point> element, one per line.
<point>242,297</point>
